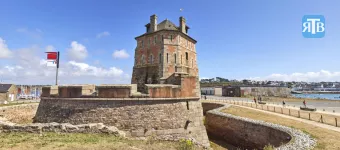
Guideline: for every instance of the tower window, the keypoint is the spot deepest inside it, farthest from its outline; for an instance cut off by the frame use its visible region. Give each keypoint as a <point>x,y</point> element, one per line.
<point>142,60</point>
<point>160,58</point>
<point>167,58</point>
<point>142,43</point>
<point>175,59</point>
<point>151,59</point>
<point>192,62</point>
<point>186,56</point>
<point>155,39</point>
<point>162,38</point>
<point>171,38</point>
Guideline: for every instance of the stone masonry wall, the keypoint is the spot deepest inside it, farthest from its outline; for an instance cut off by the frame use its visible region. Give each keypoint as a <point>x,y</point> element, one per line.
<point>252,134</point>
<point>266,91</point>
<point>138,117</point>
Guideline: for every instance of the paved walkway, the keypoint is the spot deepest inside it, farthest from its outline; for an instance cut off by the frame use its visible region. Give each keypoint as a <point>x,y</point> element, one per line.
<point>329,106</point>
<point>290,117</point>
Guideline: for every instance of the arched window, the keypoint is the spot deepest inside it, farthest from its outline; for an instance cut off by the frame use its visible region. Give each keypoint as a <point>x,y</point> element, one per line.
<point>186,56</point>
<point>151,59</point>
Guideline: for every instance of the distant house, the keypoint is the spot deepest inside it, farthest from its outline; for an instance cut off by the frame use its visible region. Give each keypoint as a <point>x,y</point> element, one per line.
<point>208,90</point>
<point>8,92</point>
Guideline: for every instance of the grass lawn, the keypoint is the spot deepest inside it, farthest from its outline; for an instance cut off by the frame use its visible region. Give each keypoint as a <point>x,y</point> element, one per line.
<point>47,141</point>
<point>326,139</point>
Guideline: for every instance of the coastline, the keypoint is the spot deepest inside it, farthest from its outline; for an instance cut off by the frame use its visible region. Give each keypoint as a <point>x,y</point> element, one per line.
<point>296,99</point>
<point>320,92</point>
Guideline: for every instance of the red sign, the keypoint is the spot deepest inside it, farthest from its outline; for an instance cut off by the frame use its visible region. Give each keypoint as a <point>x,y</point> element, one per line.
<point>52,55</point>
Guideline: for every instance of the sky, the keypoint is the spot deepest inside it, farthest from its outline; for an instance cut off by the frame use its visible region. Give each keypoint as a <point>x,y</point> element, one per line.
<point>258,40</point>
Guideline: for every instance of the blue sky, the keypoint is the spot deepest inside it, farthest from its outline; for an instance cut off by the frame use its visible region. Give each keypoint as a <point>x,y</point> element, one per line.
<point>236,39</point>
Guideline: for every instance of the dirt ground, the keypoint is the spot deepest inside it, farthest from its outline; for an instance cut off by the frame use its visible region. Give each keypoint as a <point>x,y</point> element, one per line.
<point>20,115</point>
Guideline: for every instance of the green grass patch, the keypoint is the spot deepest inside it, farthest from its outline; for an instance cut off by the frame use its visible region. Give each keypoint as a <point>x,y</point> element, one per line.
<point>75,141</point>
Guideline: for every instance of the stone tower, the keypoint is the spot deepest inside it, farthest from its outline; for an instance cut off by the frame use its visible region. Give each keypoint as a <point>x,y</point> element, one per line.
<point>163,51</point>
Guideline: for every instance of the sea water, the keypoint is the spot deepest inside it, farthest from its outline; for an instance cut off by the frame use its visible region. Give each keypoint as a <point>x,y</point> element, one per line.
<point>318,96</point>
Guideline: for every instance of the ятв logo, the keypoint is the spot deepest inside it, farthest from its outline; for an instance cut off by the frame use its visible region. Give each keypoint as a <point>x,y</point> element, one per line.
<point>313,26</point>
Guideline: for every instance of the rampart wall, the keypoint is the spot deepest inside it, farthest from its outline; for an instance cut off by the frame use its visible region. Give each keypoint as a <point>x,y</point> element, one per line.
<point>167,118</point>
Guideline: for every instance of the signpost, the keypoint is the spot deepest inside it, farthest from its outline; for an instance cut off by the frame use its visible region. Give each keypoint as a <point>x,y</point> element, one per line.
<point>53,61</point>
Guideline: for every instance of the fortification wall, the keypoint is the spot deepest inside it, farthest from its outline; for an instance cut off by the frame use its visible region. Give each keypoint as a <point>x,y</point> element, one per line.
<point>252,134</point>
<point>267,91</point>
<point>139,117</point>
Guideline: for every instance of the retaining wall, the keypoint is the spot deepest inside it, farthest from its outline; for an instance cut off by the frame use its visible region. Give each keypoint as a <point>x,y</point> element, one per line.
<point>252,134</point>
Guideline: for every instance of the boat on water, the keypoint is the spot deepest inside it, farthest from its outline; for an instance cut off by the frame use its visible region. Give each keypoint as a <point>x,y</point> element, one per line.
<point>296,92</point>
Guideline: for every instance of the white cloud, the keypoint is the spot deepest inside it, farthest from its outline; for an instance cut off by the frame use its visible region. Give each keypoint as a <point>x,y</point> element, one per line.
<point>4,51</point>
<point>87,70</point>
<point>319,76</point>
<point>49,48</point>
<point>77,51</point>
<point>27,67</point>
<point>120,54</point>
<point>103,34</point>
<point>70,72</point>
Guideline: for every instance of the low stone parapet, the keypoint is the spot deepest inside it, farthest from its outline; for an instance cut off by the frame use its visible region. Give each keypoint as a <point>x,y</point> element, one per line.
<point>8,127</point>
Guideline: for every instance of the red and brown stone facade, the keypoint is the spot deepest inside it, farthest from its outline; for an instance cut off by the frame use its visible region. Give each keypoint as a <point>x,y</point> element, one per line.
<point>163,50</point>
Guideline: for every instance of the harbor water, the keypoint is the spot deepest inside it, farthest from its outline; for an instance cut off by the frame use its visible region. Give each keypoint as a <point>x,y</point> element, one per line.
<point>318,96</point>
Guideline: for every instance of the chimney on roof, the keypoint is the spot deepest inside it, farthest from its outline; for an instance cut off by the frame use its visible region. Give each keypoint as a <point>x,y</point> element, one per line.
<point>153,23</point>
<point>182,25</point>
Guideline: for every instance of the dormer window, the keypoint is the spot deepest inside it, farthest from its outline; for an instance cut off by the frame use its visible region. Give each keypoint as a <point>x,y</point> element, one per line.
<point>147,28</point>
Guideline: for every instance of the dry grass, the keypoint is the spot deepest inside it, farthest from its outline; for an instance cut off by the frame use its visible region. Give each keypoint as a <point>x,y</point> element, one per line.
<point>327,139</point>
<point>20,115</point>
<point>28,141</point>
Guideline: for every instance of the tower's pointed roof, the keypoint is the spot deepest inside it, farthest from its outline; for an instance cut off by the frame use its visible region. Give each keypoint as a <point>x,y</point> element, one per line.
<point>167,24</point>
